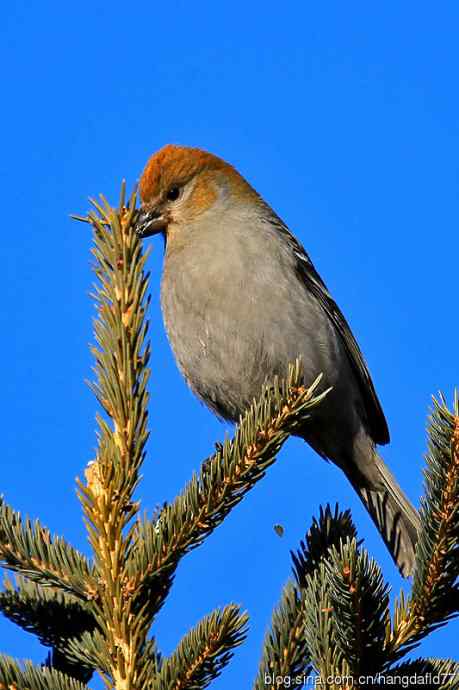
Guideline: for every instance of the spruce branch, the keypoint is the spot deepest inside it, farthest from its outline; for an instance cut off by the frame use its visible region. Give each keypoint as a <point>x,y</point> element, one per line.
<point>285,653</point>
<point>223,481</point>
<point>435,594</point>
<point>58,661</point>
<point>90,649</point>
<point>320,625</point>
<point>310,567</point>
<point>359,599</point>
<point>30,549</point>
<point>437,563</point>
<point>154,660</point>
<point>53,615</point>
<point>15,676</point>
<point>203,652</point>
<point>330,530</point>
<point>121,355</point>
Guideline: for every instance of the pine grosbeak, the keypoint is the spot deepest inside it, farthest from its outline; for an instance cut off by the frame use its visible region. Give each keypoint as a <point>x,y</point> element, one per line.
<point>241,299</point>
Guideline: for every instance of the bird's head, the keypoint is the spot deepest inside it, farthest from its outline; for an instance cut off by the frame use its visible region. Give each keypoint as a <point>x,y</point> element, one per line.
<point>181,184</point>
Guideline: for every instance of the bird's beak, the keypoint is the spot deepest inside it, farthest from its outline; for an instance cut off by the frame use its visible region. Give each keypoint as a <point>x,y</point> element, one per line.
<point>150,222</point>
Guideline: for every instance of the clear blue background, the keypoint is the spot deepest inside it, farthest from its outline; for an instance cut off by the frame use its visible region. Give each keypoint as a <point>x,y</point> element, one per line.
<point>345,117</point>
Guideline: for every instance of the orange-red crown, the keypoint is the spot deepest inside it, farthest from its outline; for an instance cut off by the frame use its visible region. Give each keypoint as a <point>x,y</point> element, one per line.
<point>175,165</point>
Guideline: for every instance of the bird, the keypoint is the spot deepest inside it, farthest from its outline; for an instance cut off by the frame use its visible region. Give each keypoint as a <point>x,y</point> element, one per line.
<point>241,300</point>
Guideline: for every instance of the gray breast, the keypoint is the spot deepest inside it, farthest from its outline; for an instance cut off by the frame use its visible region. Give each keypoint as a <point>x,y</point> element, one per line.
<point>237,313</point>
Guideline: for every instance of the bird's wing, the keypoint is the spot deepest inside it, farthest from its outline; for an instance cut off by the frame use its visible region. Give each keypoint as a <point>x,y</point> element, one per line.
<point>375,415</point>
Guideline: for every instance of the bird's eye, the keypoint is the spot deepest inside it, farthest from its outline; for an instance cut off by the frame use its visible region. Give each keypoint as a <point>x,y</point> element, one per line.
<point>173,193</point>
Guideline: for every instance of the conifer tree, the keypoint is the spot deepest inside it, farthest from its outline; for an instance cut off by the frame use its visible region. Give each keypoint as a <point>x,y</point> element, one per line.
<point>97,615</point>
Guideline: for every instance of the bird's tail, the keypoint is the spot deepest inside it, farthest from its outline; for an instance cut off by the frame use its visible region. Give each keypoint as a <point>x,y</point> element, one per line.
<point>393,514</point>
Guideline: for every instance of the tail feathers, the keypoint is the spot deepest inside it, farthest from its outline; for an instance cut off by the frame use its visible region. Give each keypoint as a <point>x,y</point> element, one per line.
<point>391,511</point>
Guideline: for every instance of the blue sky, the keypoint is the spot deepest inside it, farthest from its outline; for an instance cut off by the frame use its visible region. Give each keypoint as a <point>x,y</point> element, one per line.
<point>345,117</point>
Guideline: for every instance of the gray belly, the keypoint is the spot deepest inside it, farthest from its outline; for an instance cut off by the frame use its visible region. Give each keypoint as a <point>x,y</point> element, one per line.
<point>229,337</point>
